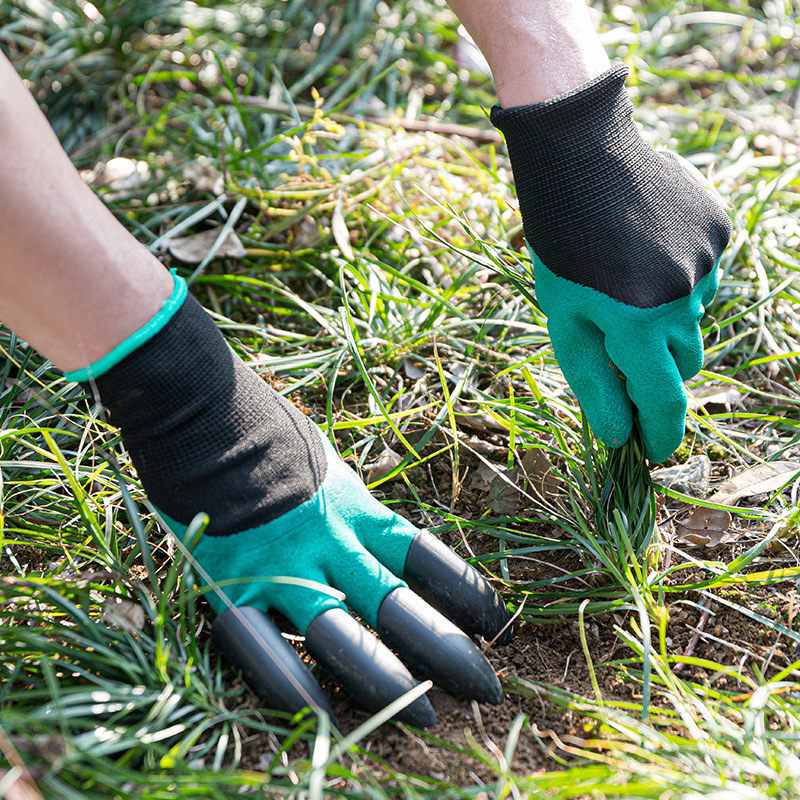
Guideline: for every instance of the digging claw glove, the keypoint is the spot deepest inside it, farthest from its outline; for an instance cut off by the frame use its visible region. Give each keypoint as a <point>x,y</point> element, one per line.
<point>292,528</point>
<point>625,248</point>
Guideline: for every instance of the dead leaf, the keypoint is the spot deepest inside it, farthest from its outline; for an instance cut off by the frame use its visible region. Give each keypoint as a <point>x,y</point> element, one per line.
<point>503,496</point>
<point>193,249</point>
<point>714,395</point>
<point>382,465</point>
<point>204,176</point>
<point>123,614</point>
<point>306,234</point>
<point>704,527</point>
<point>480,478</point>
<point>412,370</point>
<point>477,420</point>
<point>760,479</point>
<point>494,451</point>
<point>693,477</point>
<point>340,232</point>
<point>537,469</point>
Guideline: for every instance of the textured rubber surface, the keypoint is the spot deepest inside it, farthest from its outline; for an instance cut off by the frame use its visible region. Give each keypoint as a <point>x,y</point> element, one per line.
<point>600,206</point>
<point>431,644</point>
<point>456,589</point>
<point>252,642</point>
<point>205,433</point>
<point>341,537</point>
<point>364,666</point>
<point>617,358</point>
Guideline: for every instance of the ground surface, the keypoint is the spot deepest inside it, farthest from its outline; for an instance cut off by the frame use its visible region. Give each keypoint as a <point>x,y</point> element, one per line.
<point>380,287</point>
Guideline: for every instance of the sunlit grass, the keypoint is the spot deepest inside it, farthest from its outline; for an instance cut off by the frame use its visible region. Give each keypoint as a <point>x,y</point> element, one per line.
<point>371,248</point>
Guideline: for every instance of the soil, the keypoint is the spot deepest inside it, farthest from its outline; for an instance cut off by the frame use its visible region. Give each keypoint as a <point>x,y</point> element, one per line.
<point>551,655</point>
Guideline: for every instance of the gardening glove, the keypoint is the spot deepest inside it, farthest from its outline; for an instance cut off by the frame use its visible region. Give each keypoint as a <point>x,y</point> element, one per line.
<point>625,249</point>
<point>291,529</point>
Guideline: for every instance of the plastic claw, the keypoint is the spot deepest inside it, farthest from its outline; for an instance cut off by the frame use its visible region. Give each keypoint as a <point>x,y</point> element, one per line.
<point>251,641</point>
<point>364,666</point>
<point>456,589</point>
<point>432,644</point>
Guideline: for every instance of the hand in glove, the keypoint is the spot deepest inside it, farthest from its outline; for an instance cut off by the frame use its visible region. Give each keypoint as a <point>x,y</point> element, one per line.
<point>625,248</point>
<point>292,528</point>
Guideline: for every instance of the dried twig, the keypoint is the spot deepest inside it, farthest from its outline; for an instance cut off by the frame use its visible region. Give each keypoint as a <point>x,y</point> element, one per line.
<point>695,638</point>
<point>422,125</point>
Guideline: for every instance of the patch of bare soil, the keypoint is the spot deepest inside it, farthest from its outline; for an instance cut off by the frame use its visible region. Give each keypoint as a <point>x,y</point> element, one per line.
<point>551,655</point>
<point>548,654</point>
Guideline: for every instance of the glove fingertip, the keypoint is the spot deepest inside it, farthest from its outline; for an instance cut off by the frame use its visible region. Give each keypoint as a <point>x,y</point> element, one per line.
<point>661,452</point>
<point>611,418</point>
<point>661,440</point>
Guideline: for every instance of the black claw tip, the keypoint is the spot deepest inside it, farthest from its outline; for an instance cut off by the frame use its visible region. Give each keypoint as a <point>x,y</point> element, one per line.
<point>251,641</point>
<point>456,589</point>
<point>366,668</point>
<point>433,645</point>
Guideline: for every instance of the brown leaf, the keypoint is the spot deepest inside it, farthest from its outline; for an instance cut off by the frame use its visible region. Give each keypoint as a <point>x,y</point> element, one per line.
<point>479,421</point>
<point>538,471</point>
<point>692,477</point>
<point>203,175</point>
<point>123,614</point>
<point>382,465</point>
<point>193,249</point>
<point>503,494</point>
<point>704,526</point>
<point>306,234</point>
<point>481,477</point>
<point>714,395</point>
<point>760,479</point>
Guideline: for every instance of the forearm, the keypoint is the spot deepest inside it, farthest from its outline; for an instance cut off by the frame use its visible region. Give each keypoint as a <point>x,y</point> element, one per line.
<point>537,49</point>
<point>73,282</point>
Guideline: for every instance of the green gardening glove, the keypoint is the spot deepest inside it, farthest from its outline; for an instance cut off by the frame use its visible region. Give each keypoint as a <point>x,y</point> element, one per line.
<point>291,529</point>
<point>625,249</point>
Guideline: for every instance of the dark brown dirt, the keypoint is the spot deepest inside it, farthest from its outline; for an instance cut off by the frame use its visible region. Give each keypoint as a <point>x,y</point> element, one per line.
<point>548,655</point>
<point>551,655</point>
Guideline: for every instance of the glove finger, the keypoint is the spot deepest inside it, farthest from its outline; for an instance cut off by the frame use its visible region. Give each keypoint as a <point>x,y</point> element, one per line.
<point>382,532</point>
<point>456,589</point>
<point>655,388</point>
<point>363,579</point>
<point>420,635</point>
<point>687,351</point>
<point>434,646</point>
<point>251,641</point>
<point>580,348</point>
<point>364,666</point>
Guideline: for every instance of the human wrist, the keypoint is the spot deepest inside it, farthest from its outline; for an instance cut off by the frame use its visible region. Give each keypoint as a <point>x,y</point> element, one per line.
<point>552,72</point>
<point>556,53</point>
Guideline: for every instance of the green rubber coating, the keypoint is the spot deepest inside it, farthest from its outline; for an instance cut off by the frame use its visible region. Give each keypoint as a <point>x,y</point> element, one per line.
<point>341,540</point>
<point>617,357</point>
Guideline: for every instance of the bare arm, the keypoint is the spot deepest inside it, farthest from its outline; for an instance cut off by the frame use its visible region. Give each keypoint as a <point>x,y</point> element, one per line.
<point>73,282</point>
<point>537,49</point>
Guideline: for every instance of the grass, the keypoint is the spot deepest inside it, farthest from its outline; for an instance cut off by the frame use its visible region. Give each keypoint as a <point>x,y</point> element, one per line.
<point>384,288</point>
